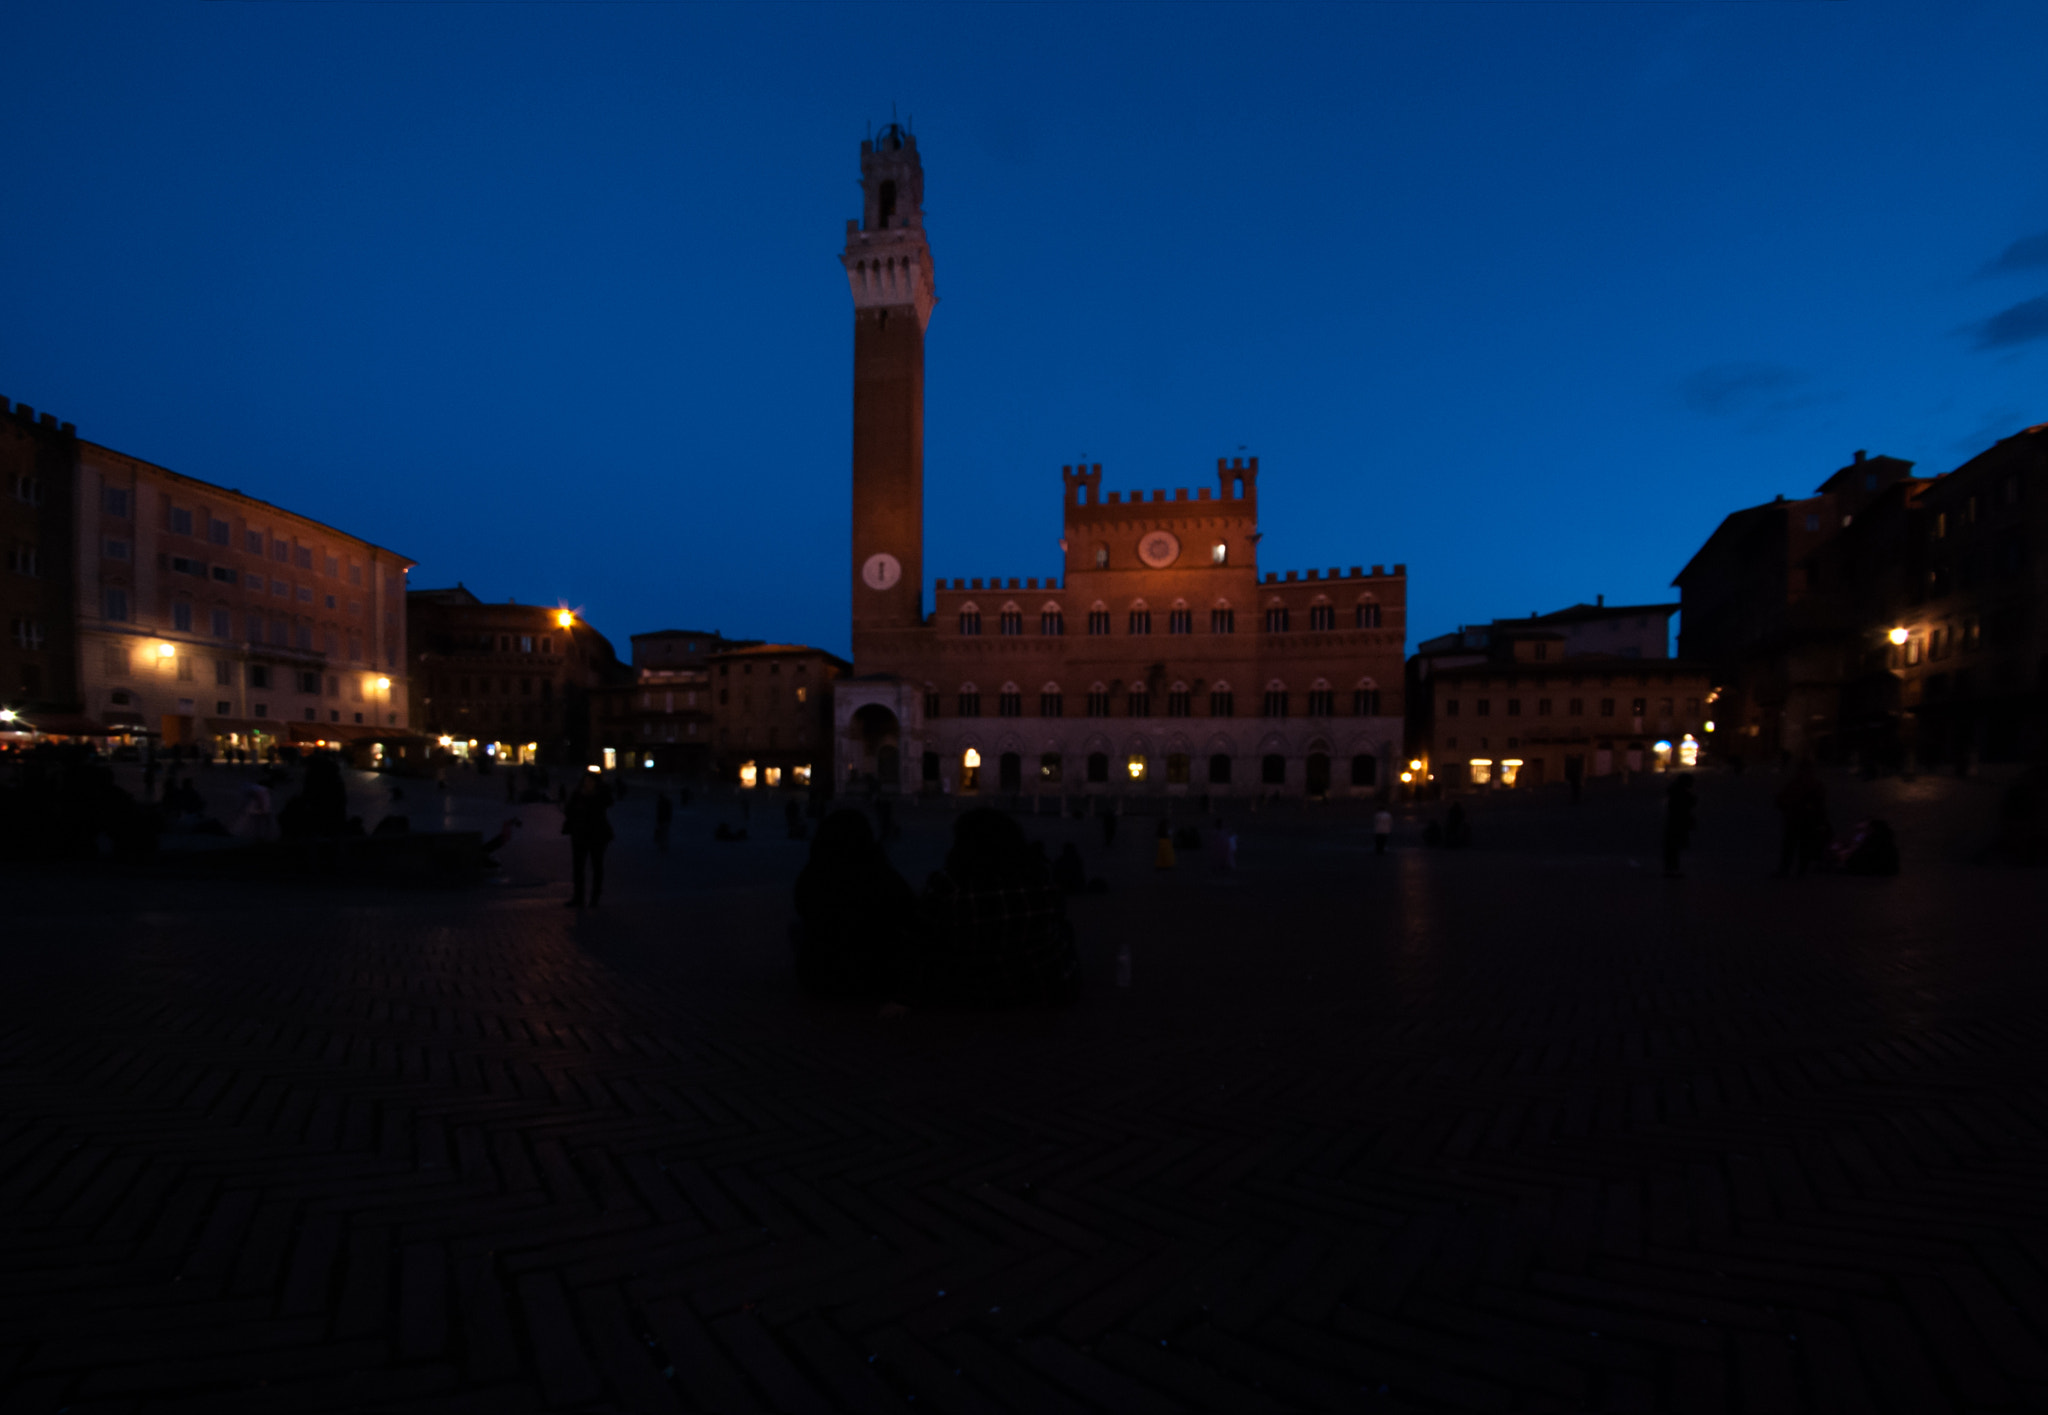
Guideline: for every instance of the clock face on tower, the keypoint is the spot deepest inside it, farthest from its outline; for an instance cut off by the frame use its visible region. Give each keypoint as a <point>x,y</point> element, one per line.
<point>1159,549</point>
<point>881,571</point>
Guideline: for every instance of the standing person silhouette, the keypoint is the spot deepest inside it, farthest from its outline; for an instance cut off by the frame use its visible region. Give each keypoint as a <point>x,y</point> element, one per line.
<point>1681,807</point>
<point>587,823</point>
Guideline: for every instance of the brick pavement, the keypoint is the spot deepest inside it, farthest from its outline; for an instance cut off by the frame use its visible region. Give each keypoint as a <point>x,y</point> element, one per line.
<point>1520,1129</point>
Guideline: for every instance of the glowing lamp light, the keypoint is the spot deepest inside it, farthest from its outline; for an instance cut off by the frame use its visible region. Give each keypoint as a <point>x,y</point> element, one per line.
<point>166,650</point>
<point>564,618</point>
<point>1663,746</point>
<point>1407,776</point>
<point>383,685</point>
<point>6,714</point>
<point>970,758</point>
<point>1898,636</point>
<point>1706,727</point>
<point>594,770</point>
<point>447,741</point>
<point>1415,765</point>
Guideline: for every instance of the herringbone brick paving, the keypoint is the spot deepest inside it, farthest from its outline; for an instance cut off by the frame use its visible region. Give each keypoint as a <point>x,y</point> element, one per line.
<point>1520,1129</point>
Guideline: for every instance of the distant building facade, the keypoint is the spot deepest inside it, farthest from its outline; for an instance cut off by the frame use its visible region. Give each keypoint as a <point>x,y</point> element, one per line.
<point>660,717</point>
<point>514,682</point>
<point>1583,692</point>
<point>1888,617</point>
<point>1160,660</point>
<point>39,583</point>
<point>211,619</point>
<point>771,714</point>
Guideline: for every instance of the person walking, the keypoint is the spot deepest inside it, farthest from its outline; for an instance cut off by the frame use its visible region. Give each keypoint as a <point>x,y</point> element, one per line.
<point>586,821</point>
<point>1680,809</point>
<point>664,816</point>
<point>1162,852</point>
<point>1382,830</point>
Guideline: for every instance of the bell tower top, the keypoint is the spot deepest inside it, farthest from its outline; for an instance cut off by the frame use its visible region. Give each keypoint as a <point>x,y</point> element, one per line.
<point>893,180</point>
<point>888,265</point>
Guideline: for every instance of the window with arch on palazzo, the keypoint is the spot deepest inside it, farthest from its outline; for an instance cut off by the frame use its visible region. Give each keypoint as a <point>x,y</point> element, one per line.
<point>1011,621</point>
<point>970,701</point>
<point>1322,616</point>
<point>1102,557</point>
<point>1322,702</point>
<point>970,619</point>
<point>1219,769</point>
<point>1276,701</point>
<point>1138,701</point>
<point>1365,702</point>
<point>1222,702</point>
<point>1181,620</point>
<point>1179,701</point>
<point>1009,702</point>
<point>1098,618</point>
<point>1051,621</point>
<point>1050,701</point>
<point>1273,769</point>
<point>1368,615</point>
<point>931,701</point>
<point>1141,621</point>
<point>1222,620</point>
<point>1098,768</point>
<point>1098,701</point>
<point>1276,619</point>
<point>1219,553</point>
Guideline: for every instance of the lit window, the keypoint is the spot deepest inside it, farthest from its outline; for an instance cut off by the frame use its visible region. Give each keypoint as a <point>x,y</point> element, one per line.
<point>1218,553</point>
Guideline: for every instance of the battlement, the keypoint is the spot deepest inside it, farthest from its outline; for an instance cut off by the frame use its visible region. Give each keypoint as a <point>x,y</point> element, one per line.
<point>26,416</point>
<point>1357,572</point>
<point>1236,481</point>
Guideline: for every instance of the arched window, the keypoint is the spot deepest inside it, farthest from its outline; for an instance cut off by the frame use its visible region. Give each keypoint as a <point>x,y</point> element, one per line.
<point>1098,768</point>
<point>1050,702</point>
<point>1218,553</point>
<point>1322,702</point>
<point>1222,618</point>
<point>1276,700</point>
<point>1010,702</point>
<point>1322,615</point>
<point>1181,619</point>
<point>1098,618</point>
<point>1276,619</point>
<point>885,205</point>
<point>1365,699</point>
<point>970,619</point>
<point>1178,701</point>
<point>970,700</point>
<point>1222,702</point>
<point>1051,620</point>
<point>1368,613</point>
<point>1098,700</point>
<point>1141,617</point>
<point>1273,769</point>
<point>1219,769</point>
<point>1011,621</point>
<point>1102,557</point>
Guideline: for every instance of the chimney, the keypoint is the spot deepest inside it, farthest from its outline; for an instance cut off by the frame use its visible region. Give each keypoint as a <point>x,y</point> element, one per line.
<point>1599,601</point>
<point>1859,454</point>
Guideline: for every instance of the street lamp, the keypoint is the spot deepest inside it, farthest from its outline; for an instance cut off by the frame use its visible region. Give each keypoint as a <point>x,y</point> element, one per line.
<point>1898,636</point>
<point>166,650</point>
<point>565,618</point>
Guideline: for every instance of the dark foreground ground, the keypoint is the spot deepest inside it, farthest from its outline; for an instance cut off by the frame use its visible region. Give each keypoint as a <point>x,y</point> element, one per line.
<point>1522,1128</point>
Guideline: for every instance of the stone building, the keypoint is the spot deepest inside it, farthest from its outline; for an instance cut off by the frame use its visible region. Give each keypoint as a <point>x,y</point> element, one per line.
<point>513,682</point>
<point>660,718</point>
<point>1962,627</point>
<point>209,618</point>
<point>1159,660</point>
<point>38,584</point>
<point>771,713</point>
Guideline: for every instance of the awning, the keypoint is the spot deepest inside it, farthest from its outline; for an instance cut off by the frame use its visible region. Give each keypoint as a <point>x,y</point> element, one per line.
<point>68,724</point>
<point>123,721</point>
<point>330,732</point>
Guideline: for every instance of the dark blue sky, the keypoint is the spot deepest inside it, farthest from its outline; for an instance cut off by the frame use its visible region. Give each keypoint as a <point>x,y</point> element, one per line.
<point>1526,295</point>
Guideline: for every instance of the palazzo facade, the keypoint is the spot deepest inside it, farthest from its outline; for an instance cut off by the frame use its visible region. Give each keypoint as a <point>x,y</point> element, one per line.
<point>1161,660</point>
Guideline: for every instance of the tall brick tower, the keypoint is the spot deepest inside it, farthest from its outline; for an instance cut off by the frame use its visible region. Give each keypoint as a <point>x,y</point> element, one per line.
<point>889,268</point>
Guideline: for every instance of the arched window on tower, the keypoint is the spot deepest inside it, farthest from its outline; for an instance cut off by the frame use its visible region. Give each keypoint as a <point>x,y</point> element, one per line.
<point>885,205</point>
